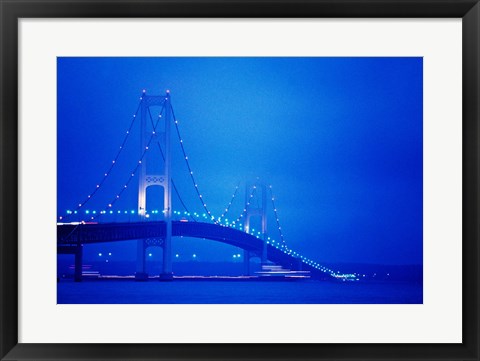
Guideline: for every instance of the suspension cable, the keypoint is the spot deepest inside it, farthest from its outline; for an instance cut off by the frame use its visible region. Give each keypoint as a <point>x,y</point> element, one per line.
<point>176,190</point>
<point>132,174</point>
<point>250,197</point>
<point>227,208</point>
<point>173,183</point>
<point>276,218</point>
<point>200,197</point>
<point>109,170</point>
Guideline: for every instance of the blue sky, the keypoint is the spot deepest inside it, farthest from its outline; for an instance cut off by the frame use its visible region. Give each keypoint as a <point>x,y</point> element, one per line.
<point>339,140</point>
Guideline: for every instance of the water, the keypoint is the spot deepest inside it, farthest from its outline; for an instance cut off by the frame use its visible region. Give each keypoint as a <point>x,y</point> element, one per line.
<point>236,292</point>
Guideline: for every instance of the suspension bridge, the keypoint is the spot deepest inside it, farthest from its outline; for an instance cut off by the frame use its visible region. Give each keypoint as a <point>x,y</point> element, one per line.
<point>81,226</point>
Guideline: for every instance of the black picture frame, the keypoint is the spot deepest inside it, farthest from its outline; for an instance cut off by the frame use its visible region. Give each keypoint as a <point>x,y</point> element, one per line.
<point>12,10</point>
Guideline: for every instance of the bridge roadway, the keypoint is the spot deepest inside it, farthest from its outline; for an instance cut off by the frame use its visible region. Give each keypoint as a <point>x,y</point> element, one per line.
<point>70,237</point>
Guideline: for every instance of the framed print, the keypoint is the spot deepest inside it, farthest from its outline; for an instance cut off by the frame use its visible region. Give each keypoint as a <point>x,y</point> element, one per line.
<point>259,180</point>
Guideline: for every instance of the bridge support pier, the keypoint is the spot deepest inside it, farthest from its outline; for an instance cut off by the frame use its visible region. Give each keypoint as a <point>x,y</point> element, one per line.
<point>141,274</point>
<point>246,263</point>
<point>166,277</point>
<point>167,274</point>
<point>78,262</point>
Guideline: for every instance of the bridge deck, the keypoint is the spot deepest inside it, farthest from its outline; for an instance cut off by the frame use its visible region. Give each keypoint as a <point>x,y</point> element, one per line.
<point>70,235</point>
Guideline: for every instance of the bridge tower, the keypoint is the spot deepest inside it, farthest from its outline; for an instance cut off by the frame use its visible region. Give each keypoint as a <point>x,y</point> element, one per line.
<point>161,135</point>
<point>259,210</point>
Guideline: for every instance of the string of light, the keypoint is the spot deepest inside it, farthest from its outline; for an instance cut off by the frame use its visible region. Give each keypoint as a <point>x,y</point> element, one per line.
<point>176,190</point>
<point>110,168</point>
<point>173,183</point>
<point>276,218</point>
<point>123,212</point>
<point>132,174</point>
<point>200,196</point>
<point>291,252</point>
<point>227,208</point>
<point>249,200</point>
